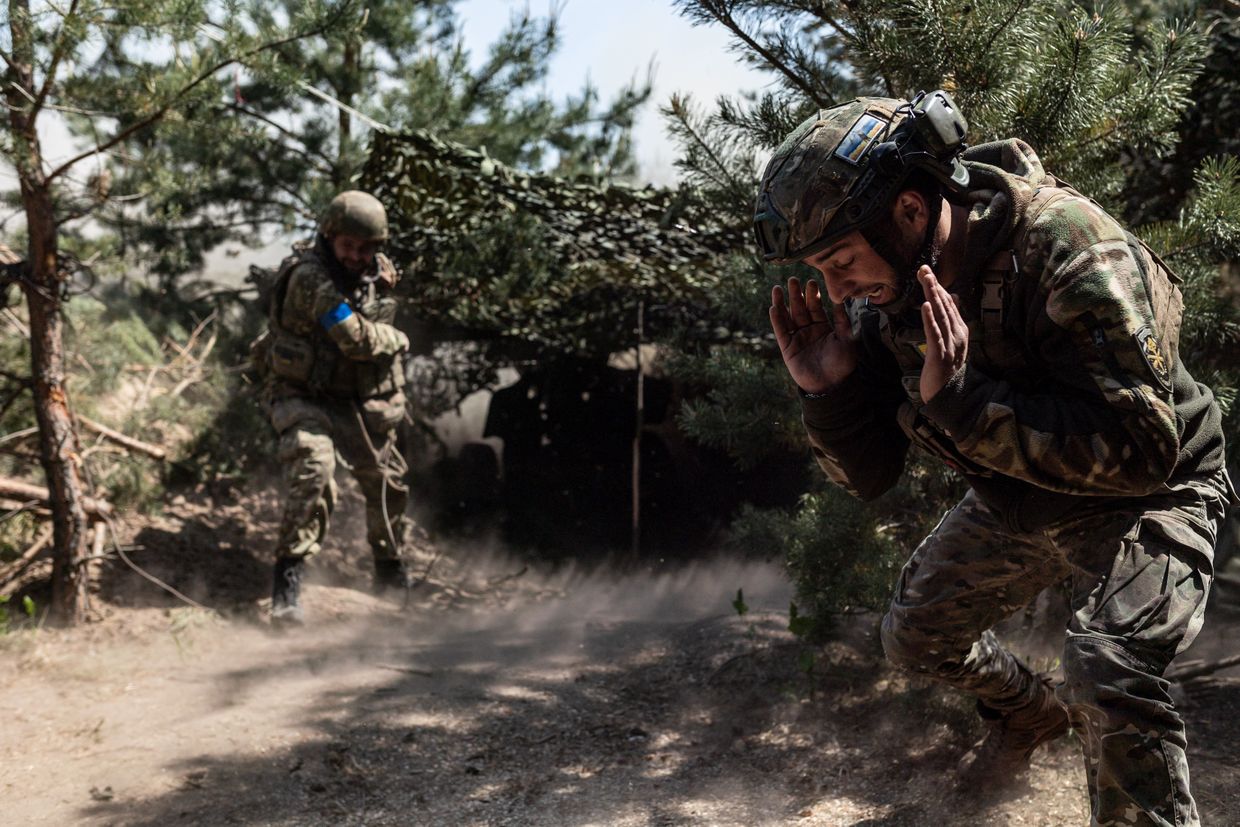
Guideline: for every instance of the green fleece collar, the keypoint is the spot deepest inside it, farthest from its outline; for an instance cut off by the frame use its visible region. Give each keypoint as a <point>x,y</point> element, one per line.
<point>1003,176</point>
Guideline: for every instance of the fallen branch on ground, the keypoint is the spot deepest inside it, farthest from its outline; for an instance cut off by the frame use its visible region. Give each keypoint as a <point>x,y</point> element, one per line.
<point>14,507</point>
<point>121,439</point>
<point>1198,668</point>
<point>22,434</point>
<point>26,491</point>
<point>12,570</point>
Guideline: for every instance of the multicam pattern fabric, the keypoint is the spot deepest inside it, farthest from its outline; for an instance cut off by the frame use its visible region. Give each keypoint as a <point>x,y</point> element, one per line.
<point>350,400</point>
<point>1140,573</point>
<point>1091,453</point>
<point>810,174</point>
<point>310,435</point>
<point>1093,330</point>
<point>1074,405</point>
<point>355,357</point>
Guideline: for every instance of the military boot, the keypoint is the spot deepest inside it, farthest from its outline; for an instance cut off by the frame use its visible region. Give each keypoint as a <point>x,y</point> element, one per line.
<point>391,573</point>
<point>285,591</point>
<point>1003,754</point>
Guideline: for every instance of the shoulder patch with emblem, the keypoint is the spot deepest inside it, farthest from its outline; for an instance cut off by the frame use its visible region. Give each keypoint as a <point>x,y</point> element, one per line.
<point>1154,356</point>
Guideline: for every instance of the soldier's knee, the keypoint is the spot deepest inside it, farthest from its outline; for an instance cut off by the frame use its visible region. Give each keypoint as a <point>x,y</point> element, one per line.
<point>307,450</point>
<point>1078,688</point>
<point>1099,673</point>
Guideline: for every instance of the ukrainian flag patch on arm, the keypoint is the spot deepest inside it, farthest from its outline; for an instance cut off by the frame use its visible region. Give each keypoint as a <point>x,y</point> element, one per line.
<point>336,315</point>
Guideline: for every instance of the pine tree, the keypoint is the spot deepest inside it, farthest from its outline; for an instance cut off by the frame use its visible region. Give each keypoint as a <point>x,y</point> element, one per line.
<point>277,139</point>
<point>1079,85</point>
<point>172,52</point>
<point>270,144</point>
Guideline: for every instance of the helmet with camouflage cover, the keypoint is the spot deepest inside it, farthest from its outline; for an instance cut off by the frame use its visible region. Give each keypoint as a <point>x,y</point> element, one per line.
<point>838,170</point>
<point>355,213</point>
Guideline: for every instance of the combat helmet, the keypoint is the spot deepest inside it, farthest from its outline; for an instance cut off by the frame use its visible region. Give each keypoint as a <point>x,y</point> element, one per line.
<point>355,213</point>
<point>839,169</point>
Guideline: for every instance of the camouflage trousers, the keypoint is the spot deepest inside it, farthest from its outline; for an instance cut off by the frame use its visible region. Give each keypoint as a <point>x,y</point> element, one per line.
<point>311,433</point>
<point>1140,571</point>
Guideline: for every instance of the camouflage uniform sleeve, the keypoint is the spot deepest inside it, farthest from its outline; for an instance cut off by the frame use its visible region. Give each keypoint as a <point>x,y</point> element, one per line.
<point>313,300</point>
<point>854,435</point>
<point>1103,422</point>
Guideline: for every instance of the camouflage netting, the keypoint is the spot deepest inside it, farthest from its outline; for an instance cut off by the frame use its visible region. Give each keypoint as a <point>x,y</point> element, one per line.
<point>438,191</point>
<point>555,261</point>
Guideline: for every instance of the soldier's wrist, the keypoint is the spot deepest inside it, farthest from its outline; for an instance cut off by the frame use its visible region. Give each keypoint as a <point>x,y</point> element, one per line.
<point>825,389</point>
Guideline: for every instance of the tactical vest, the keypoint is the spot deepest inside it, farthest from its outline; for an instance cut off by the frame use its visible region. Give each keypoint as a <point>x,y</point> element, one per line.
<point>996,344</point>
<point>312,362</point>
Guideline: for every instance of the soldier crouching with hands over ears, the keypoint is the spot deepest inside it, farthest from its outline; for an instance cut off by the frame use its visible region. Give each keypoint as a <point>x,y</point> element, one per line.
<point>987,312</point>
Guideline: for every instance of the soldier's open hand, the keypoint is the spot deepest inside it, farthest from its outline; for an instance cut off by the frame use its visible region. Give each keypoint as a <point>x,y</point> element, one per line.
<point>819,354</point>
<point>947,336</point>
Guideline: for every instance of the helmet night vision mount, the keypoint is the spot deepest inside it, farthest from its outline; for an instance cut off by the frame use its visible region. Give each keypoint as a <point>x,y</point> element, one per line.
<point>839,169</point>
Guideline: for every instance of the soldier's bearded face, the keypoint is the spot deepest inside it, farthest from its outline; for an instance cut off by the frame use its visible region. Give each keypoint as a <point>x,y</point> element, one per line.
<point>851,269</point>
<point>354,254</point>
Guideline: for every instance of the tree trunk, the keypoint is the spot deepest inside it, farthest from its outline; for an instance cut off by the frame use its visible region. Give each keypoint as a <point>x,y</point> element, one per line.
<point>57,438</point>
<point>345,94</point>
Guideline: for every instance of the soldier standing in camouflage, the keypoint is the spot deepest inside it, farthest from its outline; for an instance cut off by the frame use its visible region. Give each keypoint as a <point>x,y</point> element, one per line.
<point>996,318</point>
<point>334,382</point>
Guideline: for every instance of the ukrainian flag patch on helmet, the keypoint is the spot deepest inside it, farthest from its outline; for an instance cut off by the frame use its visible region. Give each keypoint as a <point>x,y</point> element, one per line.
<point>853,148</point>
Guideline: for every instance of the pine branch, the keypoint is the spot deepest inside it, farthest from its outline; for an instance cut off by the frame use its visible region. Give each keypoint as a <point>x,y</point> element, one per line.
<point>328,164</point>
<point>1017,9</point>
<point>58,53</point>
<point>722,12</point>
<point>678,108</point>
<point>185,90</point>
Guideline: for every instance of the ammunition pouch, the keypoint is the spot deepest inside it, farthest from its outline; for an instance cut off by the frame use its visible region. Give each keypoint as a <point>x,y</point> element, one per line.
<point>285,413</point>
<point>260,355</point>
<point>921,433</point>
<point>379,378</point>
<point>383,414</point>
<point>292,358</point>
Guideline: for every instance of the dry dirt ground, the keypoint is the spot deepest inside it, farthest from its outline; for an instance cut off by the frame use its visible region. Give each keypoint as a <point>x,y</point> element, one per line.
<point>497,697</point>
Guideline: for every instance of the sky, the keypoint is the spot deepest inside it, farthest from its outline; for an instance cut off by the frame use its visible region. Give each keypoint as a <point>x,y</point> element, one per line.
<point>611,43</point>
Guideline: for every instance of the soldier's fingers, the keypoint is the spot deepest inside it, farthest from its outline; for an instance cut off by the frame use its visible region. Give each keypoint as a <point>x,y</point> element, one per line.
<point>941,310</point>
<point>943,307</point>
<point>840,323</point>
<point>779,305</point>
<point>959,329</point>
<point>796,304</point>
<point>935,345</point>
<point>780,323</point>
<point>813,302</point>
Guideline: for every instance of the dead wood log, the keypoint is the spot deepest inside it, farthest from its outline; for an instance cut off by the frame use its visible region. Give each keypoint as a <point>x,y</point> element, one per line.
<point>121,439</point>
<point>1199,668</point>
<point>101,534</point>
<point>12,319</point>
<point>39,571</point>
<point>10,507</point>
<point>12,570</point>
<point>25,491</point>
<point>22,434</point>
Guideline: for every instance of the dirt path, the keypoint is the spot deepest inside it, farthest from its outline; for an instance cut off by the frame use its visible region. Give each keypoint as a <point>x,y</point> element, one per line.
<point>573,701</point>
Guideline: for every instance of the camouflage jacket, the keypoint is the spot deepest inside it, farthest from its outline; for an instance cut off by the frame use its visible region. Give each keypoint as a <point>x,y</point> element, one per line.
<point>1073,387</point>
<point>331,333</point>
